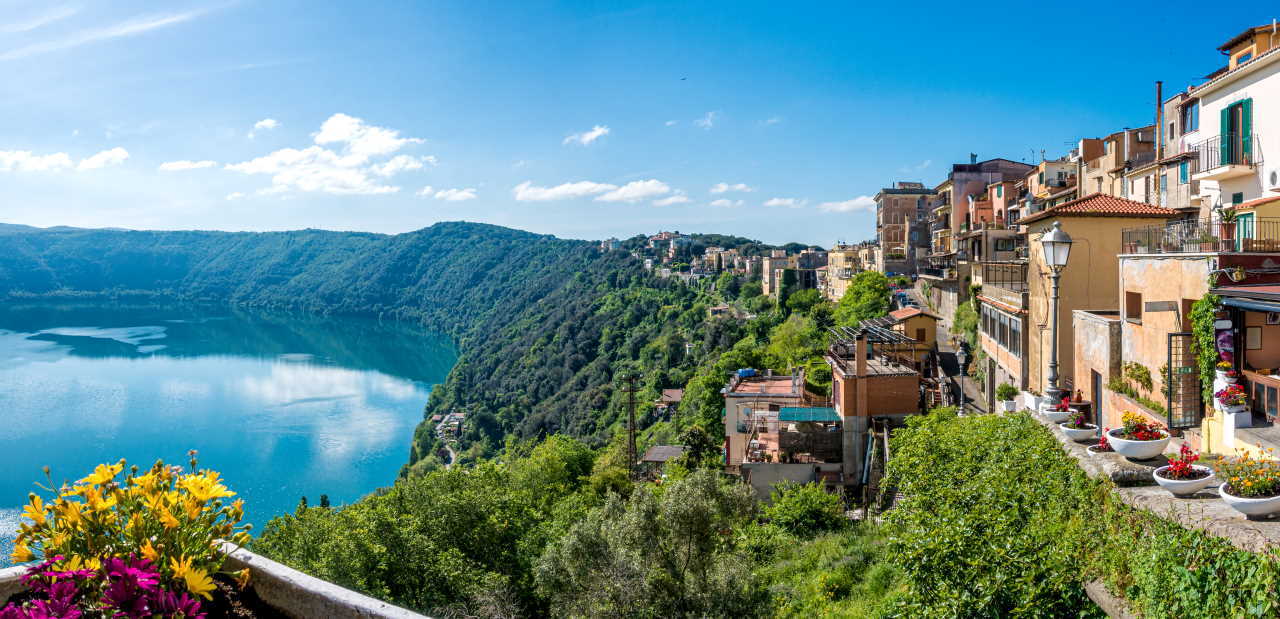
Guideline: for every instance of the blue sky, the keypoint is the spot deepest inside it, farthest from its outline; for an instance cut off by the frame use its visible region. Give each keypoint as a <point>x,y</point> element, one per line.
<point>776,121</point>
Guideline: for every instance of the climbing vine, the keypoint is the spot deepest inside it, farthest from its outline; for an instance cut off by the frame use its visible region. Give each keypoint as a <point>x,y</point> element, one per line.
<point>1203,314</point>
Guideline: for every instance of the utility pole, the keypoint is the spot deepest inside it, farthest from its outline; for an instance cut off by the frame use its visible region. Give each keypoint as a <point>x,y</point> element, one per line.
<point>631,389</point>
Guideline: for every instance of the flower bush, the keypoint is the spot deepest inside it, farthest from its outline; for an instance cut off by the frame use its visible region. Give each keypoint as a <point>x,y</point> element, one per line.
<point>1138,428</point>
<point>163,522</point>
<point>1180,466</point>
<point>1251,477</point>
<point>1223,365</point>
<point>122,588</point>
<point>1064,405</point>
<point>1006,392</point>
<point>1232,395</point>
<point>1078,421</point>
<point>1103,443</point>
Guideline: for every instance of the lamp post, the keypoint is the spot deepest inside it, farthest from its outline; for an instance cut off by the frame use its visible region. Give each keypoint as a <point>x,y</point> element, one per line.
<point>1057,247</point>
<point>962,360</point>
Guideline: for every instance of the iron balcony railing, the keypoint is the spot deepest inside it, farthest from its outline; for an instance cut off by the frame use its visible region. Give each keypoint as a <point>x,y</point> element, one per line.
<point>1228,149</point>
<point>1247,235</point>
<point>1008,275</point>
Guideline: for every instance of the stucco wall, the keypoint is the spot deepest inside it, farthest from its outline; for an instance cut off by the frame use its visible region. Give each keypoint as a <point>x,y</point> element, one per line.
<point>1097,348</point>
<point>1182,280</point>
<point>1263,86</point>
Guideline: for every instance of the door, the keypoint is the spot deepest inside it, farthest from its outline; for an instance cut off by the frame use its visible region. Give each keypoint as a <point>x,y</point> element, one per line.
<point>1245,225</point>
<point>1095,395</point>
<point>1182,383</point>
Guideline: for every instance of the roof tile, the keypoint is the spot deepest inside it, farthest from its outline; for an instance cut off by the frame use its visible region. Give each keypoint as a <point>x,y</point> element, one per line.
<point>1100,205</point>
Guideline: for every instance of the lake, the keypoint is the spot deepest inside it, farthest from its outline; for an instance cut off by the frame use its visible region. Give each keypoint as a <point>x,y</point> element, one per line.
<point>283,405</point>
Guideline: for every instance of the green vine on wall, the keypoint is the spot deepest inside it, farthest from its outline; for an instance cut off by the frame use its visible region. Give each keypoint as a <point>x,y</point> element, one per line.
<point>1203,314</point>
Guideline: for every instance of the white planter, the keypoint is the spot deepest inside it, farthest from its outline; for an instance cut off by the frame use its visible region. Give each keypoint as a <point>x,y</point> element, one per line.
<point>1184,487</point>
<point>1093,451</point>
<point>1250,507</point>
<point>1137,450</point>
<point>1058,416</point>
<point>1009,405</point>
<point>1079,434</point>
<point>1237,408</point>
<point>1222,376</point>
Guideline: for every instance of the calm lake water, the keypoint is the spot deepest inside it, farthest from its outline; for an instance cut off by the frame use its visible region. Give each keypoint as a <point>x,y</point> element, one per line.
<point>284,406</point>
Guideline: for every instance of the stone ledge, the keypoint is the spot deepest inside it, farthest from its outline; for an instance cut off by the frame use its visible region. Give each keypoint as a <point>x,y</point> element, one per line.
<point>1112,466</point>
<point>1111,604</point>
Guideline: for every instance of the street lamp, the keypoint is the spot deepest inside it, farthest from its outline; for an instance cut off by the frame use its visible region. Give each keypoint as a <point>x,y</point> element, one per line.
<point>962,360</point>
<point>1057,247</point>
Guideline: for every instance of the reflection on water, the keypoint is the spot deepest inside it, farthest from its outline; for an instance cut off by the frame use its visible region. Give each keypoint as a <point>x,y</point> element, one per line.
<point>283,405</point>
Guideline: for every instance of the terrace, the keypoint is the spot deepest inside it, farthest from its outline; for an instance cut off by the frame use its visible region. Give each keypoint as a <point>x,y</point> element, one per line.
<point>1226,156</point>
<point>1199,236</point>
<point>1004,282</point>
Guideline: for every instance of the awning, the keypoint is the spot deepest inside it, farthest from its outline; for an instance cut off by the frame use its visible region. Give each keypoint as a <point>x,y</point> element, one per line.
<point>808,413</point>
<point>1251,304</point>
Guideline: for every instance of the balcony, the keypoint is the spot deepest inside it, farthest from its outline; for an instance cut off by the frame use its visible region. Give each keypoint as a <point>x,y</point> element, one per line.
<point>1005,282</point>
<point>1199,236</point>
<point>1227,156</point>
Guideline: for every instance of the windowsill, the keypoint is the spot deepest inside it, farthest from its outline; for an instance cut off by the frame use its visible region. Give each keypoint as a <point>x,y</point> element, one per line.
<point>1136,321</point>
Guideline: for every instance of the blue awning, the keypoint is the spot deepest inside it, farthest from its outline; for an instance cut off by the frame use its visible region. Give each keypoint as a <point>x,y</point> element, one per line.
<point>808,413</point>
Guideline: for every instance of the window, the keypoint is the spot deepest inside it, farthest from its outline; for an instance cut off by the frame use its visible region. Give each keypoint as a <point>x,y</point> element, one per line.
<point>1040,177</point>
<point>1191,116</point>
<point>1015,336</point>
<point>1245,57</point>
<point>1133,307</point>
<point>1237,198</point>
<point>1004,244</point>
<point>999,191</point>
<point>1173,129</point>
<point>1184,170</point>
<point>1004,331</point>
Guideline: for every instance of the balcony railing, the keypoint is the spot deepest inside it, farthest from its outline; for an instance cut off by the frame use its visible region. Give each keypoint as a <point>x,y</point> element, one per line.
<point>1249,235</point>
<point>1228,149</point>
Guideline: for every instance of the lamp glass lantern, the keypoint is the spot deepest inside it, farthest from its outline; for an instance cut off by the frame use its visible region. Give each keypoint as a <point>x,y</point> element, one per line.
<point>1057,247</point>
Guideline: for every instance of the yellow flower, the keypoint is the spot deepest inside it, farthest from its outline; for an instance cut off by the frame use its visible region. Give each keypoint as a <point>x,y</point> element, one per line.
<point>242,577</point>
<point>35,511</point>
<point>193,509</point>
<point>96,502</point>
<point>76,562</point>
<point>71,512</point>
<point>197,581</point>
<point>167,519</point>
<point>103,473</point>
<point>205,487</point>
<point>149,552</point>
<point>21,554</point>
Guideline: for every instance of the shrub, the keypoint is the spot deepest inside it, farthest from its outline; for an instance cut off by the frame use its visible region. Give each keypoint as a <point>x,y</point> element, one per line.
<point>1006,392</point>
<point>805,509</point>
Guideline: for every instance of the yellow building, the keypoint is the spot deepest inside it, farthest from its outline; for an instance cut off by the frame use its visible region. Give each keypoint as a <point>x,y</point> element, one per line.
<point>1089,281</point>
<point>842,264</point>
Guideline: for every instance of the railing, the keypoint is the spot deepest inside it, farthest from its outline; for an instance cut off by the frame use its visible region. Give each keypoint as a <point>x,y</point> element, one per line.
<point>1141,159</point>
<point>1252,235</point>
<point>1228,149</point>
<point>932,271</point>
<point>1008,275</point>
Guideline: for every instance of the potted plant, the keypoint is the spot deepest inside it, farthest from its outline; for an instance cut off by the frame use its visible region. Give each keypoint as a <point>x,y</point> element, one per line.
<point>1057,413</point>
<point>1251,485</point>
<point>1103,446</point>
<point>1138,439</point>
<point>1232,398</point>
<point>1077,428</point>
<point>1182,477</point>
<point>1006,393</point>
<point>1226,372</point>
<point>1227,223</point>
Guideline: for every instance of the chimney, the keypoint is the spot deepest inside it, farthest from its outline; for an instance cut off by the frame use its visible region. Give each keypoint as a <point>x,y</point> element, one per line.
<point>1159,120</point>
<point>973,157</point>
<point>860,355</point>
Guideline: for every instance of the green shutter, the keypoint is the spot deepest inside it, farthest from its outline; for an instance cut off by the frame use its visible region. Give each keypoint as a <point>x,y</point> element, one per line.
<point>1224,138</point>
<point>1246,130</point>
<point>1182,172</point>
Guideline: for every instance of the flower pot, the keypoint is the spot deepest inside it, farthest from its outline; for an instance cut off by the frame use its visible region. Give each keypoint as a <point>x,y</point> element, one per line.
<point>1009,405</point>
<point>1227,230</point>
<point>1056,416</point>
<point>1094,451</point>
<point>1250,507</point>
<point>1184,487</point>
<point>1079,434</point>
<point>1136,450</point>
<point>1222,376</point>
<point>1234,408</point>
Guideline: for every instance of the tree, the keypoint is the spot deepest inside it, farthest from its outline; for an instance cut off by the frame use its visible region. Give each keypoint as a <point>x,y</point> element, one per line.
<point>805,509</point>
<point>794,341</point>
<point>801,301</point>
<point>324,500</point>
<point>700,448</point>
<point>728,286</point>
<point>867,297</point>
<point>658,554</point>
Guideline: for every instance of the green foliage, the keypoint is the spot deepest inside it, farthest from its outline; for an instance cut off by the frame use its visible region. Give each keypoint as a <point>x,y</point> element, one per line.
<point>795,341</point>
<point>964,323</point>
<point>1006,392</point>
<point>1019,530</point>
<point>1139,374</point>
<point>866,297</point>
<point>728,285</point>
<point>802,300</point>
<point>1203,315</point>
<point>1121,384</point>
<point>805,509</point>
<point>659,554</point>
<point>843,574</point>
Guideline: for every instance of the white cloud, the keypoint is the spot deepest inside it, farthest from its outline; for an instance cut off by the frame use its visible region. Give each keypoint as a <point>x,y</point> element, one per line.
<point>528,192</point>
<point>426,192</point>
<point>235,195</point>
<point>587,137</point>
<point>456,195</point>
<point>772,120</point>
<point>349,171</point>
<point>670,123</point>
<point>708,121</point>
<point>26,161</point>
<point>636,191</point>
<point>726,187</point>
<point>266,124</point>
<point>39,21</point>
<point>787,202</point>
<point>401,163</point>
<point>726,203</point>
<point>115,156</point>
<point>860,203</point>
<point>679,198</point>
<point>122,29</point>
<point>179,166</point>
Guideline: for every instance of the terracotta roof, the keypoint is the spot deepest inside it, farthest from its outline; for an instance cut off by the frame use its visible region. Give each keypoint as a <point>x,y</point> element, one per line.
<point>1257,202</point>
<point>1240,38</point>
<point>1100,205</point>
<point>908,312</point>
<point>672,395</point>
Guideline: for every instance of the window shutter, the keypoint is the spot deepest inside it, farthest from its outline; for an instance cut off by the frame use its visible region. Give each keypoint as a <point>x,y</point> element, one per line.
<point>1246,130</point>
<point>1224,138</point>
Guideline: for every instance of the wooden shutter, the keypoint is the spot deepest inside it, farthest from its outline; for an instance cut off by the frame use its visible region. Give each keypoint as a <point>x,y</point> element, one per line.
<point>1246,131</point>
<point>1224,138</point>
